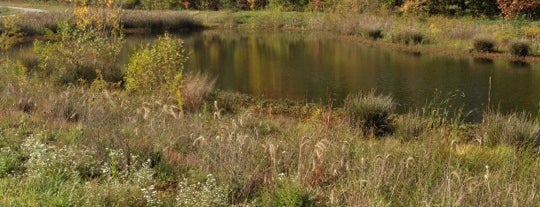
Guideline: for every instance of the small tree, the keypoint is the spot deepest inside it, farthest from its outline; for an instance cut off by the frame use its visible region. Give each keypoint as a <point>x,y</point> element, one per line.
<point>157,67</point>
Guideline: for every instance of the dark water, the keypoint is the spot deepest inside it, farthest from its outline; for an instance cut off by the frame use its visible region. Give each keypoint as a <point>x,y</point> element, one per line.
<point>323,68</point>
<point>319,68</point>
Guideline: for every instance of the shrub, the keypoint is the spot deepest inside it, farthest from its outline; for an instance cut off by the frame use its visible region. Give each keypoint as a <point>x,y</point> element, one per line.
<point>157,67</point>
<point>92,43</point>
<point>408,37</point>
<point>370,111</point>
<point>10,33</point>
<point>374,34</point>
<point>195,89</point>
<point>520,48</point>
<point>515,130</point>
<point>484,44</point>
<point>288,193</point>
<point>78,54</point>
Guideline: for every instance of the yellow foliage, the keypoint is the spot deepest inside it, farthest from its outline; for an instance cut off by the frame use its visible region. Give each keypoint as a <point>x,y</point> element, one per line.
<point>11,33</point>
<point>531,31</point>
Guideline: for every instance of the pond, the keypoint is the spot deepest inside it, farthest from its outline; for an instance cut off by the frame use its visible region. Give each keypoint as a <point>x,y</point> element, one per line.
<point>323,68</point>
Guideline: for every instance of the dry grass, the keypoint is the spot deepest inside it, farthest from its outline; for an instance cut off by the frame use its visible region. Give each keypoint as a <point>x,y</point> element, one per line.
<point>157,21</point>
<point>195,90</point>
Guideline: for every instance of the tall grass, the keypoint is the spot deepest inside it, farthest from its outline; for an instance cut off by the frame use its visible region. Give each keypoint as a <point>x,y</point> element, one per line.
<point>514,130</point>
<point>370,111</point>
<point>158,21</point>
<point>195,90</point>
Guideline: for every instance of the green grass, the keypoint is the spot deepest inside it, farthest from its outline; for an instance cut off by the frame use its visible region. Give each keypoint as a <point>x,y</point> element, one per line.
<point>4,11</point>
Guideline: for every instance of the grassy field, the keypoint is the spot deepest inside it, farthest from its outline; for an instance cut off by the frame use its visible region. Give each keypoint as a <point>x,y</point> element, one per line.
<point>87,146</point>
<point>6,11</point>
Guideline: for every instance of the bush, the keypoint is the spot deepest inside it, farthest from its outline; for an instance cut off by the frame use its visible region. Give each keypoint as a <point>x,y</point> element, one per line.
<point>374,34</point>
<point>484,44</point>
<point>92,42</point>
<point>289,193</point>
<point>370,111</point>
<point>515,130</point>
<point>520,48</point>
<point>195,89</point>
<point>408,37</point>
<point>10,33</point>
<point>78,54</point>
<point>157,67</point>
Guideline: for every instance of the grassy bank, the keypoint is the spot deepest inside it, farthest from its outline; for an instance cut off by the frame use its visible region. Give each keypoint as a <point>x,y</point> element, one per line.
<point>80,145</point>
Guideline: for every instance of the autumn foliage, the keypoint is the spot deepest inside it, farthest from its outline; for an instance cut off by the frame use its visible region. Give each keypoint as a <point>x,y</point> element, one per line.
<point>516,8</point>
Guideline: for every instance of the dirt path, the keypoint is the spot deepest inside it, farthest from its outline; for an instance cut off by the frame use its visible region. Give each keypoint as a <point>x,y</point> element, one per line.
<point>24,9</point>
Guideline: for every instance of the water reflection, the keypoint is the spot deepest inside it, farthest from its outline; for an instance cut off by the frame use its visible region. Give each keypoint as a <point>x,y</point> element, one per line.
<point>319,68</point>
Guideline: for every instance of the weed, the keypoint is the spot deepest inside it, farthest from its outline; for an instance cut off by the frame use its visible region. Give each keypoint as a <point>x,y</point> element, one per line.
<point>370,111</point>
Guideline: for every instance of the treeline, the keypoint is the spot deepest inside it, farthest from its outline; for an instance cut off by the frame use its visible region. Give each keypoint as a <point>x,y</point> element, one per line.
<point>508,9</point>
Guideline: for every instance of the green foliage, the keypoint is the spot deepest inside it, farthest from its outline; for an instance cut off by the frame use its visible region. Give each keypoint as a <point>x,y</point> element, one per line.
<point>10,33</point>
<point>520,48</point>
<point>452,7</point>
<point>11,161</point>
<point>159,4</point>
<point>288,194</point>
<point>77,53</point>
<point>370,111</point>
<point>289,5</point>
<point>157,67</point>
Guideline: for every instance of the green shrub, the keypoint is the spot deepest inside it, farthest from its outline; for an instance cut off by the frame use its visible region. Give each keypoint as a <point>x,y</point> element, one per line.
<point>77,54</point>
<point>484,44</point>
<point>11,161</point>
<point>515,130</point>
<point>10,33</point>
<point>157,67</point>
<point>520,48</point>
<point>288,194</point>
<point>370,111</point>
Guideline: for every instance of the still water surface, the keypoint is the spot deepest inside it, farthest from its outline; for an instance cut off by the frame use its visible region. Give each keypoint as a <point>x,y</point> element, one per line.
<point>318,67</point>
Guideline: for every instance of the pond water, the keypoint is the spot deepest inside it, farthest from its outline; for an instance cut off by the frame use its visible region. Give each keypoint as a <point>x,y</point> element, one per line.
<point>323,68</point>
<point>319,67</point>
